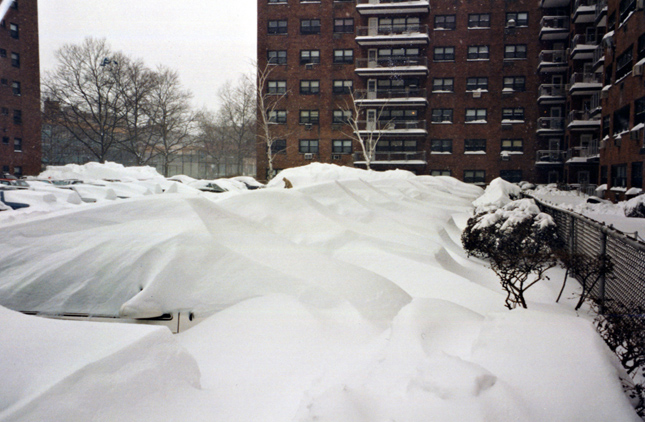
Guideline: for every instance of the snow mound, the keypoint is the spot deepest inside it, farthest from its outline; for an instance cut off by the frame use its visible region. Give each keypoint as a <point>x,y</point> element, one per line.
<point>319,172</point>
<point>498,193</point>
<point>57,370</point>
<point>96,171</point>
<point>635,207</point>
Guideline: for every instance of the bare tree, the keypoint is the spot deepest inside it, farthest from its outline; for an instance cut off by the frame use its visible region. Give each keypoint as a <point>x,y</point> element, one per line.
<point>365,127</point>
<point>211,140</point>
<point>236,119</point>
<point>170,116</point>
<point>136,83</point>
<point>268,101</point>
<point>84,85</point>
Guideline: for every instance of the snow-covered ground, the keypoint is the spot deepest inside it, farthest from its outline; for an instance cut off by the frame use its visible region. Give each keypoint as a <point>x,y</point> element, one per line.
<point>346,298</point>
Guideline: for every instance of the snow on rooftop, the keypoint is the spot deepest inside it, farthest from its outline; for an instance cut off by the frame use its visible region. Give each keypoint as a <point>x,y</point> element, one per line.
<point>346,298</point>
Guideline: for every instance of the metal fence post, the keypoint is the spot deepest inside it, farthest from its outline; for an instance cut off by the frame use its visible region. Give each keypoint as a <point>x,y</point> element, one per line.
<point>603,252</point>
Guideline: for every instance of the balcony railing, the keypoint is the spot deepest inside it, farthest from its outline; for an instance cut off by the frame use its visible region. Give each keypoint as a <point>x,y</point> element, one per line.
<point>551,90</point>
<point>582,117</point>
<point>598,55</point>
<point>399,157</point>
<point>601,8</point>
<point>586,152</point>
<point>551,123</point>
<point>385,30</point>
<point>584,40</point>
<point>551,156</point>
<point>392,125</point>
<point>555,22</point>
<point>386,94</point>
<point>553,56</point>
<point>392,61</point>
<point>585,78</point>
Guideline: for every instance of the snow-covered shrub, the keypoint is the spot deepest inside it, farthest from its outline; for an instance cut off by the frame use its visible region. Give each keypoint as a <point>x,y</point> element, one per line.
<point>520,242</point>
<point>498,193</point>
<point>635,207</point>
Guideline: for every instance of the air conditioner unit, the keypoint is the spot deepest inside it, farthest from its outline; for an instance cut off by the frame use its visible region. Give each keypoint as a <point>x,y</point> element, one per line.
<point>309,156</point>
<point>477,94</point>
<point>335,157</point>
<point>308,126</point>
<point>604,93</point>
<point>638,69</point>
<point>309,66</point>
<point>511,23</point>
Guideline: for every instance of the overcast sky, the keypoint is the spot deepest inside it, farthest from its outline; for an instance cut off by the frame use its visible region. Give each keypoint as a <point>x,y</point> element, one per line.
<point>207,41</point>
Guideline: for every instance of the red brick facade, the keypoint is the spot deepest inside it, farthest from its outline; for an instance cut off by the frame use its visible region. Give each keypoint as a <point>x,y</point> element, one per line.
<point>20,120</point>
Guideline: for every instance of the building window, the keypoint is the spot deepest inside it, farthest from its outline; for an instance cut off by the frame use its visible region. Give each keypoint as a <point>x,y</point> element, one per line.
<point>277,56</point>
<point>309,26</point>
<point>308,146</point>
<point>443,85</point>
<point>625,9</point>
<point>17,171</point>
<point>17,117</point>
<point>478,52</point>
<point>13,31</point>
<point>341,146</point>
<point>343,56</point>
<point>475,115</point>
<point>441,146</point>
<point>309,87</point>
<point>439,172</point>
<point>5,140</point>
<point>309,117</point>
<point>277,27</point>
<point>14,5</point>
<point>444,22</point>
<point>342,86</point>
<point>444,54</point>
<point>15,88</point>
<point>621,120</point>
<point>17,144</point>
<point>479,20</point>
<point>641,47</point>
<point>341,116</point>
<point>639,111</point>
<point>515,83</point>
<point>624,63</point>
<point>4,111</point>
<point>309,56</point>
<point>619,175</point>
<point>606,126</point>
<point>520,18</point>
<point>396,145</point>
<point>637,174</point>
<point>344,26</point>
<point>511,176</point>
<point>277,116</point>
<point>399,115</point>
<point>514,114</point>
<point>276,87</point>
<point>477,84</point>
<point>441,115</point>
<point>513,145</point>
<point>15,59</point>
<point>398,25</point>
<point>474,145</point>
<point>475,176</point>
<point>279,146</point>
<point>515,51</point>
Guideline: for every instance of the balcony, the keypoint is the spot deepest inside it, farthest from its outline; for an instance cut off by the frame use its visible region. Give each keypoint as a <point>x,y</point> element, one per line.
<point>393,127</point>
<point>583,46</point>
<point>392,35</point>
<point>408,96</point>
<point>549,4</point>
<point>584,11</point>
<point>398,158</point>
<point>554,28</point>
<point>551,94</point>
<point>392,7</point>
<point>598,57</point>
<point>549,156</point>
<point>584,154</point>
<point>585,83</point>
<point>392,65</point>
<point>601,14</point>
<point>552,61</point>
<point>550,126</point>
<point>579,120</point>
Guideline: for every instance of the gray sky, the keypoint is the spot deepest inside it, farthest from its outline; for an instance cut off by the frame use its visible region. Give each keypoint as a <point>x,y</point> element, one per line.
<point>207,41</point>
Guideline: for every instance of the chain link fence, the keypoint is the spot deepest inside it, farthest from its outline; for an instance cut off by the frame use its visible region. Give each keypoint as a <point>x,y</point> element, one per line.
<point>626,284</point>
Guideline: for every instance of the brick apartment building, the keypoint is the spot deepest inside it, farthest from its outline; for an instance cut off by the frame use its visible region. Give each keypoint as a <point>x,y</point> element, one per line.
<point>476,90</point>
<point>20,121</point>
